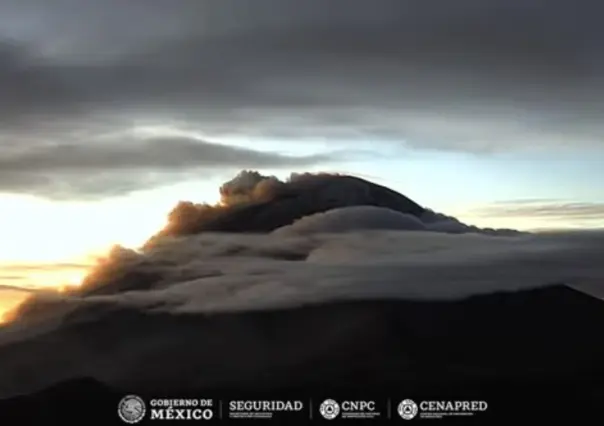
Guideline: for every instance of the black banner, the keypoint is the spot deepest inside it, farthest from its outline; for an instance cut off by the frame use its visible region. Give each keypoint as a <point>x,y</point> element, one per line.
<point>510,404</point>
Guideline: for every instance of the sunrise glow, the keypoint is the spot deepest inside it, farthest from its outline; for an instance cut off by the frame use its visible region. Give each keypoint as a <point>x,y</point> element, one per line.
<point>48,245</point>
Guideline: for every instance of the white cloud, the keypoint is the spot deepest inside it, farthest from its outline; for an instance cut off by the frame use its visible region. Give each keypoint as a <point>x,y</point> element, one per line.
<point>232,272</point>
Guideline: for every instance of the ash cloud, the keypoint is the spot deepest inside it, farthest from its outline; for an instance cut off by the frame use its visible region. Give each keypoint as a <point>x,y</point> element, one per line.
<point>251,202</point>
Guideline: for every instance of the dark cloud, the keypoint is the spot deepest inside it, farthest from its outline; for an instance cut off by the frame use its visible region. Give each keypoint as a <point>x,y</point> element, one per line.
<point>116,167</point>
<point>468,75</point>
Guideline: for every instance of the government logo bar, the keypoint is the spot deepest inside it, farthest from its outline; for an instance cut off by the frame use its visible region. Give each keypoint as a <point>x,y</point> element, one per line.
<point>133,409</point>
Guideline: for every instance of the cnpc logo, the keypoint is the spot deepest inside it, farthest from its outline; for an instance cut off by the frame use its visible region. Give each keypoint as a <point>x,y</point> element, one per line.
<point>407,409</point>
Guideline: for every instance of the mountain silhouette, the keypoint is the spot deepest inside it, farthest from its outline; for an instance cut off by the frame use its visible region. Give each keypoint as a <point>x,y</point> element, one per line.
<point>283,204</point>
<point>545,339</point>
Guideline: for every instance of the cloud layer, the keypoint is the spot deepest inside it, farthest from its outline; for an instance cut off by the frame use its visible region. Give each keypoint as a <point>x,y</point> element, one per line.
<point>470,75</point>
<point>119,166</point>
<point>225,272</point>
<point>551,210</point>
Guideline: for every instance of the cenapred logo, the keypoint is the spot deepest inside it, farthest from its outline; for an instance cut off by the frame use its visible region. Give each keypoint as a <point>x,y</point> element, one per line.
<point>407,409</point>
<point>329,409</point>
<point>131,409</point>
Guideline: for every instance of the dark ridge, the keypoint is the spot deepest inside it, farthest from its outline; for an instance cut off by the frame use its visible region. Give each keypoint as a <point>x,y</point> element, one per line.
<point>82,399</point>
<point>528,335</point>
<point>542,340</point>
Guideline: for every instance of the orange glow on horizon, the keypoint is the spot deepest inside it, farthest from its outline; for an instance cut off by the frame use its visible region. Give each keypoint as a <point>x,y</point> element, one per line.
<point>44,277</point>
<point>52,245</point>
<point>9,301</point>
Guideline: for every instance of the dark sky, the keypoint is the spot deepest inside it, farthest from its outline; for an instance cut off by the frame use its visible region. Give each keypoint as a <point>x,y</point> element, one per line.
<point>467,75</point>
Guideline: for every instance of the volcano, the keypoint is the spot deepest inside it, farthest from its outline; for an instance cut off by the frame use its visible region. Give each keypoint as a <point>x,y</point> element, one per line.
<point>375,307</point>
<point>266,205</point>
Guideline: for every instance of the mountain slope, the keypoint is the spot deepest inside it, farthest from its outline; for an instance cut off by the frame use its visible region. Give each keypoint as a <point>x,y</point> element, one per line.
<point>548,333</point>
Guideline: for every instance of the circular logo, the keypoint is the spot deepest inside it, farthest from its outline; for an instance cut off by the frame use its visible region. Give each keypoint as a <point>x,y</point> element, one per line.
<point>329,409</point>
<point>407,409</point>
<point>131,409</point>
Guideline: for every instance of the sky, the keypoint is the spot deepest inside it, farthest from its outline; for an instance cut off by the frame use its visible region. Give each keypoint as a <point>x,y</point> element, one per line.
<point>113,111</point>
